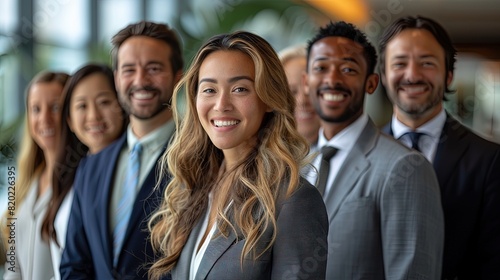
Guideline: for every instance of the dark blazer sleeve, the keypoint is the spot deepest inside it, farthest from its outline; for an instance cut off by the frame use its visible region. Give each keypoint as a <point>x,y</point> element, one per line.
<point>468,170</point>
<point>300,250</point>
<point>76,262</point>
<point>489,232</point>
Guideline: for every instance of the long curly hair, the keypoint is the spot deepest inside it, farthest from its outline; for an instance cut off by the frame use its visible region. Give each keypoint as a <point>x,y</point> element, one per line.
<point>194,162</point>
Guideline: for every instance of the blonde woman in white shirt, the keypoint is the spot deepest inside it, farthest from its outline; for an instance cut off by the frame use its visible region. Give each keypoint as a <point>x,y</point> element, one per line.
<point>30,258</point>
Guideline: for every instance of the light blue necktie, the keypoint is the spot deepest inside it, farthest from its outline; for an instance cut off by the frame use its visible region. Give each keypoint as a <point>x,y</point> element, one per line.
<point>125,205</point>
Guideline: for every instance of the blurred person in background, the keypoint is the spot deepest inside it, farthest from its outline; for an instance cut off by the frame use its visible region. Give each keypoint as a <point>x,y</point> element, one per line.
<point>91,120</point>
<point>294,60</point>
<point>33,188</point>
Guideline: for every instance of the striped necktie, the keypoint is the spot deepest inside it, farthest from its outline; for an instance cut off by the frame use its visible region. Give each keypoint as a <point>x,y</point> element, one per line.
<point>127,200</point>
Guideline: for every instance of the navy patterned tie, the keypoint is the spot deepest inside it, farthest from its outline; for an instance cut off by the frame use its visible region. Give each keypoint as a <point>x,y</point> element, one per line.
<point>414,137</point>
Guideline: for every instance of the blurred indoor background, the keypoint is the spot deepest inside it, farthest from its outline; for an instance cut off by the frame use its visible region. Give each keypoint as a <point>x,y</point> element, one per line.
<point>65,34</point>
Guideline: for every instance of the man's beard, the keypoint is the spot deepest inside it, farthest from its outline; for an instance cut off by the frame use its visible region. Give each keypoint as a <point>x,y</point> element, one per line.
<point>161,106</point>
<point>417,110</point>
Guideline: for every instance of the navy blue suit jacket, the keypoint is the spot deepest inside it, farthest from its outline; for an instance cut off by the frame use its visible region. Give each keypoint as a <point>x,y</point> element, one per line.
<point>468,170</point>
<point>89,245</point>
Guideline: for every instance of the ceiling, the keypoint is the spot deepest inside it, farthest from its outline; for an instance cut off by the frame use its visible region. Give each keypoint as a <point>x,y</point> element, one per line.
<point>469,22</point>
<point>473,25</point>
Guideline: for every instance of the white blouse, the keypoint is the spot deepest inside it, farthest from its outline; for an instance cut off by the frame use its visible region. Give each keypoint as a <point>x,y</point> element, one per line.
<point>197,255</point>
<point>61,227</point>
<point>32,254</point>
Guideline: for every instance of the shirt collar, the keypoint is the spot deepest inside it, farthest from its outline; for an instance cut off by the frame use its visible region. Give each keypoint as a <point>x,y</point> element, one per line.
<point>431,128</point>
<point>152,140</point>
<point>345,139</point>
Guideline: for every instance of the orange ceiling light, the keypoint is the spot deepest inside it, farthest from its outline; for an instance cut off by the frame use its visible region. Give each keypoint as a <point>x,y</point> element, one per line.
<point>354,11</point>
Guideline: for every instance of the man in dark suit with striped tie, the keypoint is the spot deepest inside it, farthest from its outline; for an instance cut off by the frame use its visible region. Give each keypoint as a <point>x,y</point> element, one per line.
<point>416,64</point>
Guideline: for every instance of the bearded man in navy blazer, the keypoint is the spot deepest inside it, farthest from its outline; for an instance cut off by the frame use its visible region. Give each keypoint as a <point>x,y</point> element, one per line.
<point>147,62</point>
<point>416,64</point>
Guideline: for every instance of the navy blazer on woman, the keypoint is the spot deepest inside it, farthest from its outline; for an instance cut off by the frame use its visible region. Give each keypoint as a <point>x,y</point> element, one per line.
<point>89,244</point>
<point>468,170</point>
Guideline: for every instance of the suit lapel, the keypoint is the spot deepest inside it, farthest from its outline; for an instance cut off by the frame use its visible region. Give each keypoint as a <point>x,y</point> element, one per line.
<point>183,266</point>
<point>353,167</point>
<point>214,251</point>
<point>106,190</point>
<point>451,147</point>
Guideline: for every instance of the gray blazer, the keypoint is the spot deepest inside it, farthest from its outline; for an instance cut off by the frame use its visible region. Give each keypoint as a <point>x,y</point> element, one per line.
<point>385,214</point>
<point>299,251</point>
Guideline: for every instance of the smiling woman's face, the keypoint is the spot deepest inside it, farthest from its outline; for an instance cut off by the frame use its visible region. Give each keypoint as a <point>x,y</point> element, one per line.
<point>95,115</point>
<point>228,106</point>
<point>44,115</point>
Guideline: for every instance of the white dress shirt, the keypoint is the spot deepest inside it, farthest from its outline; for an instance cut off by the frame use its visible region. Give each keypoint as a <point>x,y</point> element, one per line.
<point>343,141</point>
<point>431,133</point>
<point>152,145</point>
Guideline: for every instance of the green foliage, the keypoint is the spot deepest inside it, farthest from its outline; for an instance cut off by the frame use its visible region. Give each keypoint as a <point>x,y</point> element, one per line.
<point>9,140</point>
<point>100,53</point>
<point>197,24</point>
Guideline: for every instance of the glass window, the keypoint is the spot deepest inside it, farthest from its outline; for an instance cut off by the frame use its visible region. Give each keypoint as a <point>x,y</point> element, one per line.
<point>60,58</point>
<point>115,15</point>
<point>162,11</point>
<point>62,22</point>
<point>8,16</point>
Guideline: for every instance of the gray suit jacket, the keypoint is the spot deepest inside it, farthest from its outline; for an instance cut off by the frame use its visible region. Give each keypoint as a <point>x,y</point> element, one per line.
<point>385,214</point>
<point>299,251</point>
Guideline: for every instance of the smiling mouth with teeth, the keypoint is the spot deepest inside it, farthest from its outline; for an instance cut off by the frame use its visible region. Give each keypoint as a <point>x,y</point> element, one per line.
<point>47,132</point>
<point>96,128</point>
<point>225,123</point>
<point>333,97</point>
<point>414,89</point>
<point>143,95</point>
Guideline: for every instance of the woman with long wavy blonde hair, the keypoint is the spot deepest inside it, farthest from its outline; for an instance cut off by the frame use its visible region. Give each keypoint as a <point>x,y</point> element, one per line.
<point>236,206</point>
